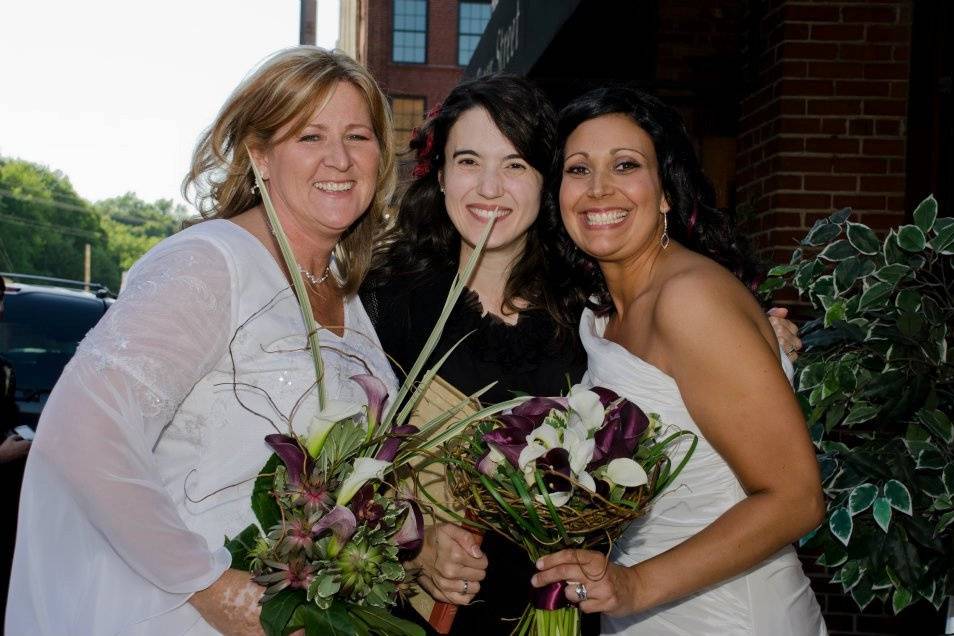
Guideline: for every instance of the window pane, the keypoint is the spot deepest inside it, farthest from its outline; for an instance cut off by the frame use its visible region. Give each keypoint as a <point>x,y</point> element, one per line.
<point>408,114</point>
<point>472,20</point>
<point>409,42</point>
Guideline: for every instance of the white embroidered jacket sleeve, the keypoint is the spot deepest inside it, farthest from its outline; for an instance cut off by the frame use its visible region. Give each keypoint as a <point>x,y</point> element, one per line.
<point>94,509</point>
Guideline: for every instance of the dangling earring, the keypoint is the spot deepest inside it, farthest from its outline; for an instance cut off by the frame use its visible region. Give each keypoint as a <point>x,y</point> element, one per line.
<point>254,189</point>
<point>664,239</point>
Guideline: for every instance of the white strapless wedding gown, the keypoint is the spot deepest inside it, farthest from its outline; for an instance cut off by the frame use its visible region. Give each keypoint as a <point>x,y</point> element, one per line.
<point>772,598</point>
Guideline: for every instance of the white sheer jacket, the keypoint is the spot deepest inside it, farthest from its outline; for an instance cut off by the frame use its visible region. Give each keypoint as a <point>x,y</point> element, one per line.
<point>148,447</point>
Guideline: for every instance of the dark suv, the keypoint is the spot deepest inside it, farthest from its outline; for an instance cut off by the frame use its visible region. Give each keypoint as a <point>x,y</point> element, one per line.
<point>43,322</point>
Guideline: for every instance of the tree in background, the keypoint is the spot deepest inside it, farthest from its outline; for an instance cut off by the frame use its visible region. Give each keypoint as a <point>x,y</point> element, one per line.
<point>45,224</point>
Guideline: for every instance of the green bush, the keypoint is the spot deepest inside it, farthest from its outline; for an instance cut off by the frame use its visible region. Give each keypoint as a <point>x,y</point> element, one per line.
<point>876,383</point>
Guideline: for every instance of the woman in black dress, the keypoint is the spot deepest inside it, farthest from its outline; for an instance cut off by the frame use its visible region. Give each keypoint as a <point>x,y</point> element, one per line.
<point>482,154</point>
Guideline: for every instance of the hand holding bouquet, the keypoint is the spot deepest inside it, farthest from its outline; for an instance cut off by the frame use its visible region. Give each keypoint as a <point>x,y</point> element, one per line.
<point>562,472</point>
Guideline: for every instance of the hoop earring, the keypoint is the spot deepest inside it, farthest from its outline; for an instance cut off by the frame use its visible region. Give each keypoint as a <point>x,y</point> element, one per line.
<point>664,239</point>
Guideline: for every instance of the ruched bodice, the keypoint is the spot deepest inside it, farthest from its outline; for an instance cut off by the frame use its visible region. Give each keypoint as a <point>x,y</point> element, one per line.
<point>772,598</point>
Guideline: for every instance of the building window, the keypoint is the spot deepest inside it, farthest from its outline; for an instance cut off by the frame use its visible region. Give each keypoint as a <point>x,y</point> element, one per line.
<point>474,16</point>
<point>408,114</point>
<point>410,31</point>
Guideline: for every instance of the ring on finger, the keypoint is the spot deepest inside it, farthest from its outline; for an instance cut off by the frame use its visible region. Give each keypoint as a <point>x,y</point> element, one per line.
<point>466,587</point>
<point>580,590</point>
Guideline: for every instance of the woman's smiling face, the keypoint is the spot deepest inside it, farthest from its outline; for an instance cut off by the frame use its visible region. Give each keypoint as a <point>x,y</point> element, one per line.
<point>611,196</point>
<point>483,177</point>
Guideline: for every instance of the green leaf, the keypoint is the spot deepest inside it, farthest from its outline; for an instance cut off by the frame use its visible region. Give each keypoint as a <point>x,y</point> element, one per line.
<point>898,496</point>
<point>383,622</point>
<point>851,270</point>
<point>278,610</point>
<point>838,251</point>
<point>824,286</point>
<point>840,216</point>
<point>892,273</point>
<point>938,423</point>
<point>892,252</point>
<point>861,412</point>
<point>263,501</point>
<point>834,313</point>
<point>333,621</point>
<point>874,294</point>
<point>822,232</point>
<point>948,478</point>
<point>862,595</point>
<point>881,510</point>
<point>910,324</point>
<point>930,459</point>
<point>863,238</point>
<point>811,376</point>
<point>946,520</point>
<point>926,213</point>
<point>901,599</point>
<point>908,300</point>
<point>241,546</point>
<point>861,498</point>
<point>771,284</point>
<point>911,238</point>
<point>781,270</point>
<point>944,240</point>
<point>851,572</point>
<point>841,525</point>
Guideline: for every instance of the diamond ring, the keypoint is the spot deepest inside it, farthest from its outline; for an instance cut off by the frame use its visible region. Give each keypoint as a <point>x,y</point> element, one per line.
<point>580,590</point>
<point>466,587</point>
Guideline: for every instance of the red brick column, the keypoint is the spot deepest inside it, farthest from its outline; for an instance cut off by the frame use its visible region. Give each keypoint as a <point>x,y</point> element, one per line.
<point>822,115</point>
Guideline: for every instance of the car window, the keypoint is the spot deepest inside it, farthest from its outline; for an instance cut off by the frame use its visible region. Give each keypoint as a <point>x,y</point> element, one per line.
<point>39,334</point>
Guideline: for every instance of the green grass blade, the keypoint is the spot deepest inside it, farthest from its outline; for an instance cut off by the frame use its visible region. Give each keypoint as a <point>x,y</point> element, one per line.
<point>298,284</point>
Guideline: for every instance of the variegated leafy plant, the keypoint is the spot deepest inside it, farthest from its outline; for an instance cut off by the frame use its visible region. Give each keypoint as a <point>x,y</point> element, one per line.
<point>876,383</point>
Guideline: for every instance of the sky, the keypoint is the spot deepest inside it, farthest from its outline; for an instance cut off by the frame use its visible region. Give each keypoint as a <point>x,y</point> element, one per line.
<point>115,93</point>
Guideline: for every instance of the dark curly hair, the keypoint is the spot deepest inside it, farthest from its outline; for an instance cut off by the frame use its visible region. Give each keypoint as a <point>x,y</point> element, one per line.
<point>423,238</point>
<point>694,220</point>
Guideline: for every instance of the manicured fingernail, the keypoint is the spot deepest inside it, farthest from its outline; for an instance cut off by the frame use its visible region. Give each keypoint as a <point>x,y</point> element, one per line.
<point>533,581</point>
<point>539,564</point>
<point>475,551</point>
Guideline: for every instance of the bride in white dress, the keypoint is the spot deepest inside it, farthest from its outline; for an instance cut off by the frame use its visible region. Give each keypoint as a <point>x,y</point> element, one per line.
<point>146,451</point>
<point>714,554</point>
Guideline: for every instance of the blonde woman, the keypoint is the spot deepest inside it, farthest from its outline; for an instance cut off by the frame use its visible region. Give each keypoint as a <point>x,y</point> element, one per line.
<point>146,450</point>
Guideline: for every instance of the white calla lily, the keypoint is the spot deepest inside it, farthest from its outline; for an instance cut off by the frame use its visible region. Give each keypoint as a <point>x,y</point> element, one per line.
<point>586,410</point>
<point>580,448</point>
<point>365,469</point>
<point>586,480</point>
<point>325,420</point>
<point>530,453</point>
<point>623,471</point>
<point>545,434</point>
<point>558,498</point>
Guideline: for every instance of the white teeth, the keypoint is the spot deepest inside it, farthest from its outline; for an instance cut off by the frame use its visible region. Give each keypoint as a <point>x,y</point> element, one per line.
<point>605,218</point>
<point>334,186</point>
<point>489,214</point>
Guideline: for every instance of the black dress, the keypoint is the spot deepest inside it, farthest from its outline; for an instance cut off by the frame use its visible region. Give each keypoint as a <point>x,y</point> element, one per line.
<point>523,358</point>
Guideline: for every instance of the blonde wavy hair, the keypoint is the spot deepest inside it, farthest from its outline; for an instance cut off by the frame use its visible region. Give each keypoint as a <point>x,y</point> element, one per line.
<point>284,90</point>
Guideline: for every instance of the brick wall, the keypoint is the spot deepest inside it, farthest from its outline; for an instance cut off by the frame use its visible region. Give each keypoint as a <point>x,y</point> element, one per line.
<point>822,115</point>
<point>432,80</point>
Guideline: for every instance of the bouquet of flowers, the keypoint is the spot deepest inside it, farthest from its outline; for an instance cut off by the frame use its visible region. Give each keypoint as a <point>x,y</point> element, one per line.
<point>331,527</point>
<point>560,472</point>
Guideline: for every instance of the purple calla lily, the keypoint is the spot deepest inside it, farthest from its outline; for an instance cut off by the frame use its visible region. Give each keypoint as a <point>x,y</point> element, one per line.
<point>555,466</point>
<point>340,521</point>
<point>537,408</point>
<point>607,396</point>
<point>411,535</point>
<point>518,422</point>
<point>377,393</point>
<point>296,461</point>
<point>366,510</point>
<point>619,436</point>
<point>389,449</point>
<point>508,442</point>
